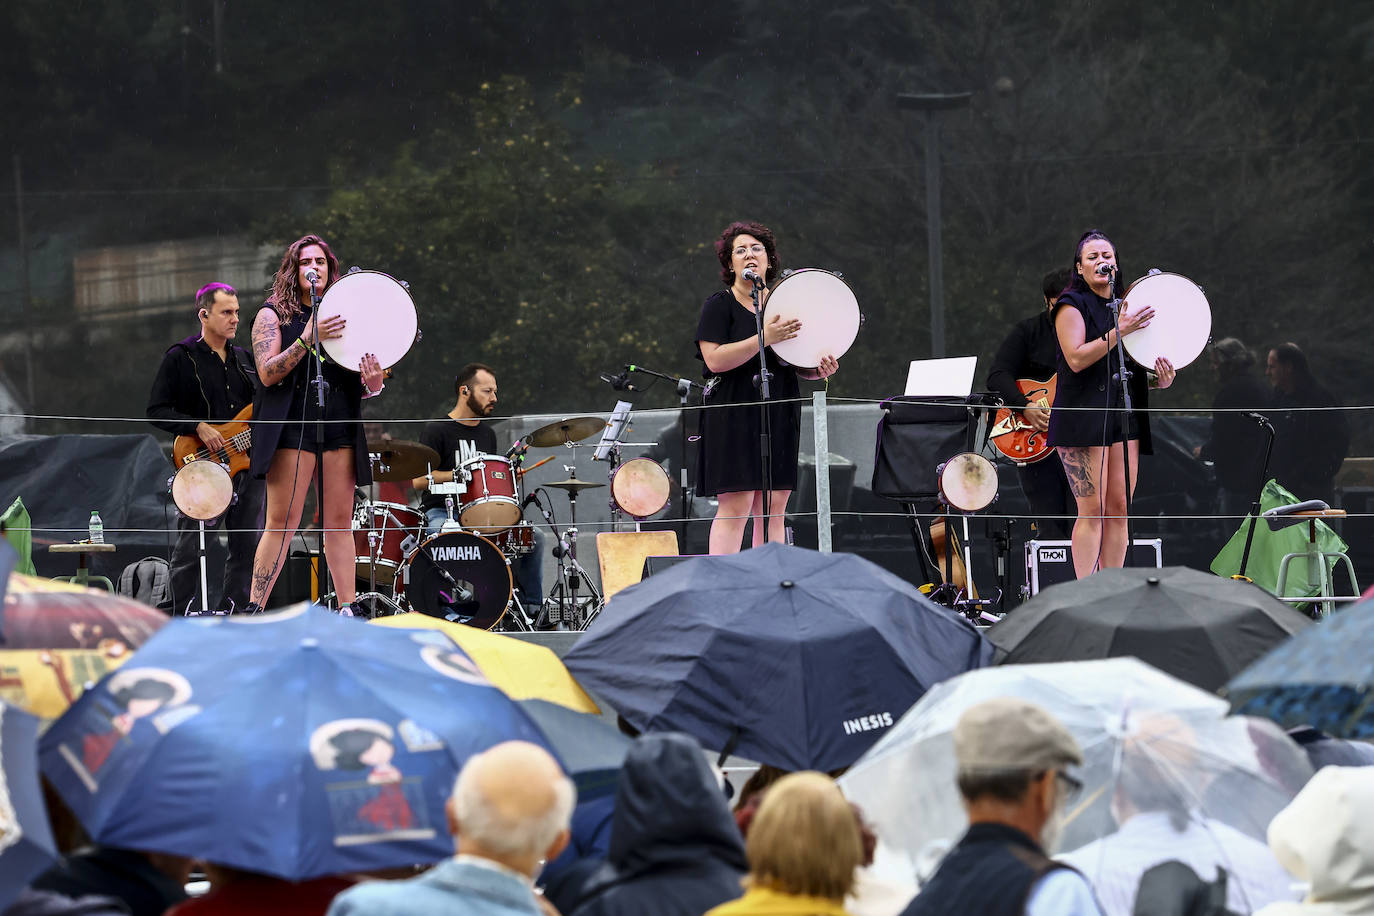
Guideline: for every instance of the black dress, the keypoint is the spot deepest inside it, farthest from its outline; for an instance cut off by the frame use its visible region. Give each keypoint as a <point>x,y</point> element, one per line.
<point>1095,388</point>
<point>293,398</point>
<point>728,448</point>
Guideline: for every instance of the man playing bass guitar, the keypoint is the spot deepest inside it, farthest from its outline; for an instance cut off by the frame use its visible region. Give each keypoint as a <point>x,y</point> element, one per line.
<point>203,383</point>
<point>1028,352</point>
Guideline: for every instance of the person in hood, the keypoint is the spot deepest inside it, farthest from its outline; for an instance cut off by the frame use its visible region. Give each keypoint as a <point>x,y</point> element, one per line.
<point>675,849</point>
<point>1325,837</point>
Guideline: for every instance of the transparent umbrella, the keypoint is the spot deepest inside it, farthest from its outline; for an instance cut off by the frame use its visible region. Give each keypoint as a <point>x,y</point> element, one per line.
<point>1152,745</point>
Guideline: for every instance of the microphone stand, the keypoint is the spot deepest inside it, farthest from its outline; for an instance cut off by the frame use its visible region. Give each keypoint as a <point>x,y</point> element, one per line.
<point>321,390</point>
<point>765,420</point>
<point>1123,376</point>
<point>684,391</point>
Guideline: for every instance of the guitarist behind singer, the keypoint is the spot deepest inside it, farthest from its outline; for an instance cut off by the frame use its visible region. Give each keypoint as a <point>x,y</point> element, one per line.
<point>206,380</point>
<point>1028,352</point>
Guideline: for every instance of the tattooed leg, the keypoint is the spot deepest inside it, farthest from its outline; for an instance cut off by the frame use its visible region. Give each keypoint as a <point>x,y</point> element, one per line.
<point>1083,467</point>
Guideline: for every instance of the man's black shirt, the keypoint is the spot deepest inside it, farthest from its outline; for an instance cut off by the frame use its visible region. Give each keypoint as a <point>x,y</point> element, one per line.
<point>194,384</point>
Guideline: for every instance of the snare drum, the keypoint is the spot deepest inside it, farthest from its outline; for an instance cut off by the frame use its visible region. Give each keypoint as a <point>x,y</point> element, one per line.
<point>829,314</point>
<point>457,576</point>
<point>1182,322</point>
<point>968,482</point>
<point>640,487</point>
<point>380,318</point>
<point>516,541</point>
<point>398,529</point>
<point>202,490</point>
<point>492,502</point>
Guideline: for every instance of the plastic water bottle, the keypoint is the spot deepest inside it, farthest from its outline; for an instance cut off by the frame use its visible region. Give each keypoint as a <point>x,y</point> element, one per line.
<point>97,528</point>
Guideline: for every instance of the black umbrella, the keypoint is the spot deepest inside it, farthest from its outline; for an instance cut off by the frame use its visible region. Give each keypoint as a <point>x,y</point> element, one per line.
<point>1198,627</point>
<point>785,656</point>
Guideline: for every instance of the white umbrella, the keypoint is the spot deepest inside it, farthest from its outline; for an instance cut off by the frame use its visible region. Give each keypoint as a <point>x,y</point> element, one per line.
<point>1235,771</point>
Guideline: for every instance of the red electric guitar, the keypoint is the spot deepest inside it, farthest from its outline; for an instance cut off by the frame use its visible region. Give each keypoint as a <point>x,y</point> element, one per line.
<point>1012,435</point>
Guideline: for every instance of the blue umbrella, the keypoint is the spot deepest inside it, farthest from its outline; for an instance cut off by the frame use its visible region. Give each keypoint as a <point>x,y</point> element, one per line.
<point>297,744</point>
<point>26,842</point>
<point>591,750</point>
<point>785,656</point>
<point>1322,677</point>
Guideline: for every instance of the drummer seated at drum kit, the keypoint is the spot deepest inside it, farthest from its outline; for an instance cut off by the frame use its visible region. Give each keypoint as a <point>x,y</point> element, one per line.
<point>465,432</point>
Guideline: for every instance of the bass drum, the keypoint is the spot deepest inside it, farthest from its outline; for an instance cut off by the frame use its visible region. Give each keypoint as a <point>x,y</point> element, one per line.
<point>457,576</point>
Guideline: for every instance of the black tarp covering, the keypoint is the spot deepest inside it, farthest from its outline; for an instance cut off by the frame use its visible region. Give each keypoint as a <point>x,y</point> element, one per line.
<point>62,478</point>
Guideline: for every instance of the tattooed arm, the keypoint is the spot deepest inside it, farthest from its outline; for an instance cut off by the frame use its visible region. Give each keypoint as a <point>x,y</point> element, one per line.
<point>274,364</point>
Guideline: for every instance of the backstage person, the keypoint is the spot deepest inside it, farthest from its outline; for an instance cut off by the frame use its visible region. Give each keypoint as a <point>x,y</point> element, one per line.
<point>286,453</point>
<point>205,380</point>
<point>1030,351</point>
<point>1235,443</point>
<point>1096,440</point>
<point>728,463</point>
<point>466,430</point>
<point>1310,443</point>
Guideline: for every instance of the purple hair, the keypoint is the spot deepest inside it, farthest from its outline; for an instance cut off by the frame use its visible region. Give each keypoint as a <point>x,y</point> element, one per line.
<point>205,296</point>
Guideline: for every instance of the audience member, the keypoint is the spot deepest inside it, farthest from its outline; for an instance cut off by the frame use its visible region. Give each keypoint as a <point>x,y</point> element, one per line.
<point>234,891</point>
<point>1158,824</point>
<point>509,810</point>
<point>146,882</point>
<point>1012,766</point>
<point>32,902</point>
<point>804,846</point>
<point>675,850</point>
<point>1325,837</point>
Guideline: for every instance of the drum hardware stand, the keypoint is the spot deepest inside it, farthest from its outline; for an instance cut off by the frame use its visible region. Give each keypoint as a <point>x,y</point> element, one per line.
<point>1001,541</point>
<point>1263,421</point>
<point>564,596</point>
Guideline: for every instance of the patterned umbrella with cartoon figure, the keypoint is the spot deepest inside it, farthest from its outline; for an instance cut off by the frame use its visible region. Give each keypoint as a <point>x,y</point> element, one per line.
<point>297,744</point>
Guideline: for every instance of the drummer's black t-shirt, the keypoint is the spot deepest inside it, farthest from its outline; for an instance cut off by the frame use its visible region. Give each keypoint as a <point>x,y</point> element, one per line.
<point>444,436</point>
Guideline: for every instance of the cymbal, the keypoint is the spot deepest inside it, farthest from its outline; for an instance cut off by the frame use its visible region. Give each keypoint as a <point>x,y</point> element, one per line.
<point>396,460</point>
<point>569,429</point>
<point>573,485</point>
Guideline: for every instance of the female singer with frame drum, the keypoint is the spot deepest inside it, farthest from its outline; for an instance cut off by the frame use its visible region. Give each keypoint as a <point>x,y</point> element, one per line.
<point>728,463</point>
<point>1094,443</point>
<point>283,341</point>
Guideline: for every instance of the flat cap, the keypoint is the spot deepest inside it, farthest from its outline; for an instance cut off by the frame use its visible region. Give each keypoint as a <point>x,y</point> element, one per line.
<point>1007,733</point>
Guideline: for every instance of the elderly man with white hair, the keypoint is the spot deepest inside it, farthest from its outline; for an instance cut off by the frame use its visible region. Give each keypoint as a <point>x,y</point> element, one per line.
<point>509,810</point>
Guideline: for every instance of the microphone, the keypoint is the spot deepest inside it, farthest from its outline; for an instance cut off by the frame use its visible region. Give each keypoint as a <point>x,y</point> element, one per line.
<point>752,277</point>
<point>1259,418</point>
<point>312,276</point>
<point>532,498</point>
<point>1105,270</point>
<point>620,381</point>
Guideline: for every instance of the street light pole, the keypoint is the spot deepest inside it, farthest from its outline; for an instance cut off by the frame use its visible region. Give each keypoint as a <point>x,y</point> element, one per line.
<point>932,104</point>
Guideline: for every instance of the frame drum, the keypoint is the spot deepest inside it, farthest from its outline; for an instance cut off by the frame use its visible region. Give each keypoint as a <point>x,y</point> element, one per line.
<point>640,487</point>
<point>828,310</point>
<point>202,490</point>
<point>968,482</point>
<point>381,319</point>
<point>1182,322</point>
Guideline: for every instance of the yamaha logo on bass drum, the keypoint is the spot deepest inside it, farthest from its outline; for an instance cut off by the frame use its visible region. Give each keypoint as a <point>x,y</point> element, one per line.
<point>455,552</point>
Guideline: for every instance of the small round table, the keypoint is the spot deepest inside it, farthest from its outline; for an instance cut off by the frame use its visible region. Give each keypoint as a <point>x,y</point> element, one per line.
<point>83,575</point>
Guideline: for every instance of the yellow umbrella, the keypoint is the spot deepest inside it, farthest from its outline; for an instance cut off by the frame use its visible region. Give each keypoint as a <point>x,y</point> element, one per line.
<point>523,670</point>
<point>46,681</point>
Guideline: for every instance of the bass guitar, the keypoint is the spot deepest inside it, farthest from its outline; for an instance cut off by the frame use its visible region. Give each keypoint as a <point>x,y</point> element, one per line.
<point>1012,435</point>
<point>237,439</point>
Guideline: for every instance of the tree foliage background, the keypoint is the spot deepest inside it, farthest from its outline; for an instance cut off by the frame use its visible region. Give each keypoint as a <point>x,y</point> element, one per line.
<point>549,179</point>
